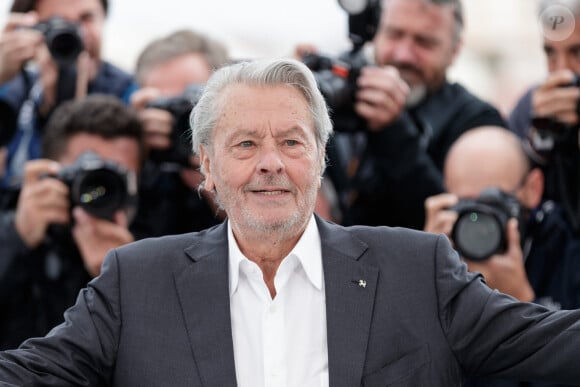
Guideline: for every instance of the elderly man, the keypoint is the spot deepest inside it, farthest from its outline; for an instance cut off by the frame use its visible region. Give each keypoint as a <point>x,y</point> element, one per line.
<point>275,296</point>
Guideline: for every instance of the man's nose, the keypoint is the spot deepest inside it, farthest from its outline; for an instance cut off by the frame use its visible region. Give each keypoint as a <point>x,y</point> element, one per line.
<point>270,160</point>
<point>404,51</point>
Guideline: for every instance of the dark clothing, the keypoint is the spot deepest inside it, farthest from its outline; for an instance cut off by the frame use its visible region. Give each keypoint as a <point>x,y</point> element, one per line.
<point>36,286</point>
<point>167,206</point>
<point>559,159</point>
<point>520,118</point>
<point>552,259</point>
<point>159,315</point>
<point>21,126</point>
<point>400,166</point>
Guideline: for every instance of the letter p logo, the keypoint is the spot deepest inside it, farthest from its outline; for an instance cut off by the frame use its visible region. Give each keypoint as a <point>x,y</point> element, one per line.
<point>557,23</point>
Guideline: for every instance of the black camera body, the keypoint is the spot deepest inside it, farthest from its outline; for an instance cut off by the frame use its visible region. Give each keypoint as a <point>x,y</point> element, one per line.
<point>101,187</point>
<point>63,39</point>
<point>336,80</point>
<point>336,77</point>
<point>180,108</point>
<point>480,229</point>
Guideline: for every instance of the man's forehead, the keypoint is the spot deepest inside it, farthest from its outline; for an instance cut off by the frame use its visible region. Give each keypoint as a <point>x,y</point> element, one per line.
<point>434,18</point>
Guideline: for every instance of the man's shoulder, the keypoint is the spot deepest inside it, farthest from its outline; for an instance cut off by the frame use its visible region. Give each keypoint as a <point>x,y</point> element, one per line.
<point>170,246</point>
<point>113,80</point>
<point>178,239</point>
<point>455,91</point>
<point>392,238</point>
<point>454,106</point>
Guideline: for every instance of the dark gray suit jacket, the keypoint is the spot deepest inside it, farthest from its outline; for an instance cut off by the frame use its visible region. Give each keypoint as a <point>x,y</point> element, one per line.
<point>159,315</point>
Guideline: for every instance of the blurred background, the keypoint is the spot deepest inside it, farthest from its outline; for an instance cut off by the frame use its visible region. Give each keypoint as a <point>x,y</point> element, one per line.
<point>501,55</point>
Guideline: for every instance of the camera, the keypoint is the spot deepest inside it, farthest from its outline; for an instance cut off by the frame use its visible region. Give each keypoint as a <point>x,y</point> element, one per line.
<point>62,37</point>
<point>550,134</point>
<point>336,80</point>
<point>180,108</point>
<point>480,229</point>
<point>336,77</point>
<point>101,187</point>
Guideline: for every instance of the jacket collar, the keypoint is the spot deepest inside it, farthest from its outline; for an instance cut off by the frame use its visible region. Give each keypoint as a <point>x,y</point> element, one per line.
<point>203,291</point>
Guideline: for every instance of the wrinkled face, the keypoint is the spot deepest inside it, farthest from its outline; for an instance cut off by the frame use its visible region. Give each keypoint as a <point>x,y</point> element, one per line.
<point>88,14</point>
<point>564,54</point>
<point>418,38</point>
<point>264,162</point>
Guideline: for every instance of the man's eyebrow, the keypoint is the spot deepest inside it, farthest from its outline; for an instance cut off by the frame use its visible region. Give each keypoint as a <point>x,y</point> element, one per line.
<point>237,133</point>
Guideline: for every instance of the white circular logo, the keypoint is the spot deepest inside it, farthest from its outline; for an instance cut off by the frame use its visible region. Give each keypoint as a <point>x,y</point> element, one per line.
<point>557,23</point>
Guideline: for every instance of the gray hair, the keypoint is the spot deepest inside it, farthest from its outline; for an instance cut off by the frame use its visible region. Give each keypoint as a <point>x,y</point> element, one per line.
<point>572,5</point>
<point>457,15</point>
<point>176,44</point>
<point>259,73</point>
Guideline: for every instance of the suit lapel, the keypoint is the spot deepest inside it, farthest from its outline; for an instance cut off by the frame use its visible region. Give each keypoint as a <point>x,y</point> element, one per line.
<point>350,294</point>
<point>203,291</point>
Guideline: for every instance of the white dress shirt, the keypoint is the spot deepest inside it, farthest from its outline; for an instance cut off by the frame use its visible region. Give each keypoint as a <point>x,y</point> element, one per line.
<point>280,342</point>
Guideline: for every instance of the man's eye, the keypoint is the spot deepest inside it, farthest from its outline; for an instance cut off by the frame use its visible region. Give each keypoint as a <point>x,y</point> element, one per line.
<point>291,142</point>
<point>246,144</point>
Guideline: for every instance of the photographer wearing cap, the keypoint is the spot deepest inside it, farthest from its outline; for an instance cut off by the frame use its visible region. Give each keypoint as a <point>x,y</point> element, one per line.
<point>547,114</point>
<point>387,167</point>
<point>62,40</point>
<point>171,72</point>
<point>74,205</point>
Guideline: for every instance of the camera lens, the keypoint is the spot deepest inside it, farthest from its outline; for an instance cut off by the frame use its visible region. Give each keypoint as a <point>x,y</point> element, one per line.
<point>477,235</point>
<point>100,192</point>
<point>65,46</point>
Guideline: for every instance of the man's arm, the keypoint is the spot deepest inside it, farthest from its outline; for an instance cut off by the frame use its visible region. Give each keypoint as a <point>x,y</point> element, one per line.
<point>82,350</point>
<point>493,335</point>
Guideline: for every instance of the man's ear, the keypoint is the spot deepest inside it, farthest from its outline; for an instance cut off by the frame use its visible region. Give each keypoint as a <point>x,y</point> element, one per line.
<point>533,188</point>
<point>204,162</point>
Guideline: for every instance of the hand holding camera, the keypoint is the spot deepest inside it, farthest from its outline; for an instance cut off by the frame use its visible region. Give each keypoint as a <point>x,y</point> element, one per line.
<point>18,45</point>
<point>557,98</point>
<point>57,49</point>
<point>505,271</point>
<point>555,116</point>
<point>439,218</point>
<point>95,237</point>
<point>42,202</point>
<point>381,97</point>
<point>166,124</point>
<point>101,188</point>
<point>157,123</point>
<point>485,231</point>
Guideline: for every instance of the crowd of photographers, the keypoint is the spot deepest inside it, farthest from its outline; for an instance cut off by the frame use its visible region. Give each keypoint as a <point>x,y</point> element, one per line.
<point>94,157</point>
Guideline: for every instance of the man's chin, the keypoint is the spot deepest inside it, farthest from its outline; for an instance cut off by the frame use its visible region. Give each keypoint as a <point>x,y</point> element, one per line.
<point>269,223</point>
<point>416,94</point>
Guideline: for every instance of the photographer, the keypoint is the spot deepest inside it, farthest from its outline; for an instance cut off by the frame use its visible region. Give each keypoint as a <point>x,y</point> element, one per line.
<point>539,259</point>
<point>547,114</point>
<point>67,217</point>
<point>171,71</point>
<point>62,39</point>
<point>386,168</point>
